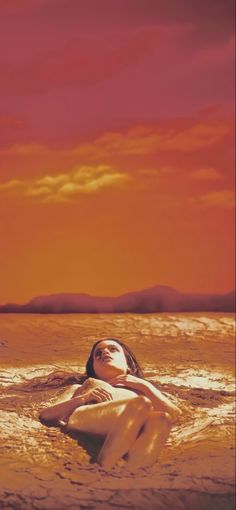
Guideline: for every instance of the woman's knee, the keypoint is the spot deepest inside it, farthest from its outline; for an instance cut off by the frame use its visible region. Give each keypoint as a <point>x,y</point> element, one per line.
<point>162,419</point>
<point>140,404</point>
<point>167,419</point>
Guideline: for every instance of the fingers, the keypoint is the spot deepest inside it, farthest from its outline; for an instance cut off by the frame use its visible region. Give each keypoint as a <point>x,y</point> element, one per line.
<point>101,395</point>
<point>93,390</point>
<point>107,395</point>
<point>118,379</point>
<point>79,391</point>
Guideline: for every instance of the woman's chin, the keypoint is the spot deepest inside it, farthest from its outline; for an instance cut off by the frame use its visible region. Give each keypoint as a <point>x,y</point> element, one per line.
<point>109,372</point>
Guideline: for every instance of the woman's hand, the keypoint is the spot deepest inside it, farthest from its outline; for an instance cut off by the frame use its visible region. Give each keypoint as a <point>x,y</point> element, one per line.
<point>129,381</point>
<point>95,395</point>
<point>94,390</point>
<point>159,401</point>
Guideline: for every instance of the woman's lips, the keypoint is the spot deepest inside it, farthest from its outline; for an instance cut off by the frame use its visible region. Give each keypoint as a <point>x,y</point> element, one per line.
<point>106,358</point>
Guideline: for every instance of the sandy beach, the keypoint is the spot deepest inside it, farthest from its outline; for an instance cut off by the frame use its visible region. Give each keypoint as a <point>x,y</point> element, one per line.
<point>190,357</point>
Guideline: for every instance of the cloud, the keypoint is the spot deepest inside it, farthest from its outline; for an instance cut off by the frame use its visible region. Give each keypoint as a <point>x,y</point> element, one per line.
<point>224,199</point>
<point>64,187</point>
<point>197,147</point>
<point>184,135</point>
<point>12,184</point>
<point>181,135</point>
<point>53,182</point>
<point>206,174</point>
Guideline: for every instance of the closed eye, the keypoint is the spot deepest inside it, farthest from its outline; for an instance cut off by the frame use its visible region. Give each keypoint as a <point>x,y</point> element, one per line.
<point>112,348</point>
<point>98,354</point>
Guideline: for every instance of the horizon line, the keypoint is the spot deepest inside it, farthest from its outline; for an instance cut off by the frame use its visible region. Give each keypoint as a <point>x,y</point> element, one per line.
<point>208,293</point>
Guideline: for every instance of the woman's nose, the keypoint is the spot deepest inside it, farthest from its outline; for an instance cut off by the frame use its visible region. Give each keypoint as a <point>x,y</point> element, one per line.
<point>105,351</point>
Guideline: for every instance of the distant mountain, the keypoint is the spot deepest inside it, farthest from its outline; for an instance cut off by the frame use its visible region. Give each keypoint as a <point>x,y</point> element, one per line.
<point>154,300</point>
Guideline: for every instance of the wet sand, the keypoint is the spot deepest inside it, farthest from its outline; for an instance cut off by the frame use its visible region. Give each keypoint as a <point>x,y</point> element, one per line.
<point>188,356</point>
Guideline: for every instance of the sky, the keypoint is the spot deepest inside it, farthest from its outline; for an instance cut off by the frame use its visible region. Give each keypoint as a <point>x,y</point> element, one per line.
<point>116,146</point>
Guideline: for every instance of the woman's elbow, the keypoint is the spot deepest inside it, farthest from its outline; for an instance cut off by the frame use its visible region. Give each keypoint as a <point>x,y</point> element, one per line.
<point>45,415</point>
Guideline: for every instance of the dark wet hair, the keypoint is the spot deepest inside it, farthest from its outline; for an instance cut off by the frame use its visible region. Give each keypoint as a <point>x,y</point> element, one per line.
<point>61,378</point>
<point>134,367</point>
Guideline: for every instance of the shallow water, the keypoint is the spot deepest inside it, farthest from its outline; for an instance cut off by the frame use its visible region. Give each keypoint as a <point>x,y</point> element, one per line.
<point>188,356</point>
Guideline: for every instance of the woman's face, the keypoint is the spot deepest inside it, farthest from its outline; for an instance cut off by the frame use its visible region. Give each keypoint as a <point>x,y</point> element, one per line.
<point>109,360</point>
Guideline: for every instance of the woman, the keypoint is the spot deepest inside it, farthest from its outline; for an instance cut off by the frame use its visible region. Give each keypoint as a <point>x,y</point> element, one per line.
<point>117,403</point>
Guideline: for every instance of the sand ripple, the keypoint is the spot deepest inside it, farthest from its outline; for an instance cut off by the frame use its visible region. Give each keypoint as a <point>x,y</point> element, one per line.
<point>189,357</point>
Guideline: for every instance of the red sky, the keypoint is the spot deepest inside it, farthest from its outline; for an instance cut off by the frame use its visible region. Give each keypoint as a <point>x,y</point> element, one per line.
<point>117,146</point>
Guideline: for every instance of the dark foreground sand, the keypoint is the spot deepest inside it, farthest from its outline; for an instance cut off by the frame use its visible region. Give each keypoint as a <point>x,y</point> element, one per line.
<point>44,468</point>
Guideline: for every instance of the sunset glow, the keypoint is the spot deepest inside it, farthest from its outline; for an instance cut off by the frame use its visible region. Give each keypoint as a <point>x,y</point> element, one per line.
<point>117,147</point>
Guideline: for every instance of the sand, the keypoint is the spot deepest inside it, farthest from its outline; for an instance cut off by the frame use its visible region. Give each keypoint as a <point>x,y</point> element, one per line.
<point>189,357</point>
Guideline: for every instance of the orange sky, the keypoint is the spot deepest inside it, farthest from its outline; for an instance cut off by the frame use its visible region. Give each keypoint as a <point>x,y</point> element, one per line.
<point>117,170</point>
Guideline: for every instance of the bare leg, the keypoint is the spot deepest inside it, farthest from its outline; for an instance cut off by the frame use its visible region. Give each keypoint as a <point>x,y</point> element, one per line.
<point>146,449</point>
<point>124,431</point>
<point>96,418</point>
<point>121,422</point>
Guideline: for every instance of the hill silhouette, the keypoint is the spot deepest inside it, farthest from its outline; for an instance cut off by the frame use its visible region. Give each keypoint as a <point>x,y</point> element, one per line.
<point>152,300</point>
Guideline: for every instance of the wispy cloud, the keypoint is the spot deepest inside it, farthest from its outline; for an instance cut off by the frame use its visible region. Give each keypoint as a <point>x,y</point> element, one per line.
<point>224,199</point>
<point>13,184</point>
<point>206,174</point>
<point>66,187</point>
<point>183,136</point>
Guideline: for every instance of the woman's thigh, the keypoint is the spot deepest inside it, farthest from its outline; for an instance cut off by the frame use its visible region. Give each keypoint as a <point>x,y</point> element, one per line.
<point>96,418</point>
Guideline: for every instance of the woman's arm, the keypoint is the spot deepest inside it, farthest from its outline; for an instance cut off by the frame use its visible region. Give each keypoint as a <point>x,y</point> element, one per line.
<point>61,411</point>
<point>65,405</point>
<point>159,401</point>
<point>92,391</point>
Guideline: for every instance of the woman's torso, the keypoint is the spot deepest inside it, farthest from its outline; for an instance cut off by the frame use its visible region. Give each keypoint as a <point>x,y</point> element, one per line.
<point>122,393</point>
<point>118,393</point>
